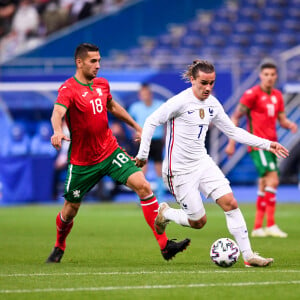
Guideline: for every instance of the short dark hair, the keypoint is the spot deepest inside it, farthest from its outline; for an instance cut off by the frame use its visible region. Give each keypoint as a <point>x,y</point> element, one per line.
<point>82,50</point>
<point>268,65</point>
<point>198,65</point>
<point>145,85</point>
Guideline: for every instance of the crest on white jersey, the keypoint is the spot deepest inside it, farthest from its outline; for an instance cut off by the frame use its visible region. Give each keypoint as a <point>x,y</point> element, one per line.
<point>274,99</point>
<point>201,113</point>
<point>99,91</point>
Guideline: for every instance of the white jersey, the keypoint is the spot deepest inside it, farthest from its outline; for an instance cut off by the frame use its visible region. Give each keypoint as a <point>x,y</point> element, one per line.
<point>188,119</point>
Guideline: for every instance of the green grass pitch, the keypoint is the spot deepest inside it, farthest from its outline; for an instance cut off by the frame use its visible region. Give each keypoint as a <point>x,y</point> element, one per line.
<point>112,254</point>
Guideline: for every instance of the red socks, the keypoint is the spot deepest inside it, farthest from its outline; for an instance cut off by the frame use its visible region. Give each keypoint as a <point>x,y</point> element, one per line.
<point>150,209</point>
<point>270,198</point>
<point>266,203</point>
<point>260,210</point>
<point>62,231</point>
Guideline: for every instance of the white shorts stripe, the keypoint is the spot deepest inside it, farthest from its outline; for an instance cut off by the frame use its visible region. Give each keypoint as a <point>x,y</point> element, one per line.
<point>262,157</point>
<point>70,176</point>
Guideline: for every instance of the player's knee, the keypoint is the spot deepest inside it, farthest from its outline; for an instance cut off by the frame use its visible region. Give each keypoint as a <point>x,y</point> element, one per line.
<point>275,182</point>
<point>143,189</point>
<point>232,204</point>
<point>227,202</point>
<point>69,210</point>
<point>199,223</point>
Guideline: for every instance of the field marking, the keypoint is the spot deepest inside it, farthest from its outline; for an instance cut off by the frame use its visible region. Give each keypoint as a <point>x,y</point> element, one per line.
<point>141,287</point>
<point>148,272</point>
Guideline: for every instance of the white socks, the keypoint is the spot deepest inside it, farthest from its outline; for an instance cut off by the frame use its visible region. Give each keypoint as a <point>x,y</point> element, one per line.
<point>177,215</point>
<point>237,227</point>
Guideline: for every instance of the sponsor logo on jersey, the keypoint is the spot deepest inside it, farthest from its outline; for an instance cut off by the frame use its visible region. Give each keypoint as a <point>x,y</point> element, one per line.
<point>211,112</point>
<point>190,111</point>
<point>84,94</point>
<point>201,113</point>
<point>263,98</point>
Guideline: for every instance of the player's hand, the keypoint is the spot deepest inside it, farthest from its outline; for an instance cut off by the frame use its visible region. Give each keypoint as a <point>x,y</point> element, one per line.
<point>56,139</point>
<point>279,150</point>
<point>140,162</point>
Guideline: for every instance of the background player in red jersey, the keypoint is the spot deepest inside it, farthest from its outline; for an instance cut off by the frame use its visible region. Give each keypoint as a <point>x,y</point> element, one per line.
<point>264,105</point>
<point>84,101</point>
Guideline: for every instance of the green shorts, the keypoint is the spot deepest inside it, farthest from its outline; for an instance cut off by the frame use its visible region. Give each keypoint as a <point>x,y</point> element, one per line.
<point>264,161</point>
<point>81,179</point>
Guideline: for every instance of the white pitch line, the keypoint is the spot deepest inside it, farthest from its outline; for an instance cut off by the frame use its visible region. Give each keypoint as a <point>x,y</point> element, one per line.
<point>141,287</point>
<point>148,272</point>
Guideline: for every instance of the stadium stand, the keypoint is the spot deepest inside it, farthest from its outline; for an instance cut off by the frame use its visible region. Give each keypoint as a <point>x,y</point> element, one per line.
<point>40,142</point>
<point>235,35</point>
<point>248,30</point>
<point>17,143</point>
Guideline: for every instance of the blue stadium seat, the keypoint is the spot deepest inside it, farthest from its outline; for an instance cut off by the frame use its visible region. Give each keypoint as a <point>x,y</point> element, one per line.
<point>273,13</point>
<point>269,26</point>
<point>291,25</point>
<point>294,12</point>
<point>244,27</point>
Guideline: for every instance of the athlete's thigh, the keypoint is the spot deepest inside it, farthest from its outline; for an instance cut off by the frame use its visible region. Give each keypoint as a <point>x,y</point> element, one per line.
<point>185,190</point>
<point>212,182</point>
<point>264,162</point>
<point>79,180</point>
<point>120,166</point>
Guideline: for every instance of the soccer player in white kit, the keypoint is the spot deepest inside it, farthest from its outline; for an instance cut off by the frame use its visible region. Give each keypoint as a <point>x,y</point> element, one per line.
<point>188,169</point>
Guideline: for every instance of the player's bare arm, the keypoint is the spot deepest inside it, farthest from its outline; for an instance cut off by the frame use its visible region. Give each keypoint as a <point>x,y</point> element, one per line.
<point>239,112</point>
<point>286,123</point>
<point>56,120</point>
<point>120,112</point>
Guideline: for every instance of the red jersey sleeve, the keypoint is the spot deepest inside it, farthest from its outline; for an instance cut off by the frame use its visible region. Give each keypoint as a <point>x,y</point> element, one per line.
<point>109,96</point>
<point>64,96</point>
<point>248,98</point>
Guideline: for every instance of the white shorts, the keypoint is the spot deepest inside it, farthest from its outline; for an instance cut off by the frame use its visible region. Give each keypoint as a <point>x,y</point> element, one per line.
<point>186,188</point>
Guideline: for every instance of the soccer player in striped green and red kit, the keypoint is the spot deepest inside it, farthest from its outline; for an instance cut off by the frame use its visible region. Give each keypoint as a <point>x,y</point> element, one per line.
<point>84,100</point>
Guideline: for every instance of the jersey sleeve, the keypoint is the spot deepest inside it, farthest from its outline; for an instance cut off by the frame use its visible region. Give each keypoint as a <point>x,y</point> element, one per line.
<point>224,124</point>
<point>165,112</point>
<point>64,97</point>
<point>248,98</point>
<point>109,96</point>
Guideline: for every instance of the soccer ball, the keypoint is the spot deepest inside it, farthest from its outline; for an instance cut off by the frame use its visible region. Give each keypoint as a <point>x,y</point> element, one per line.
<point>224,252</point>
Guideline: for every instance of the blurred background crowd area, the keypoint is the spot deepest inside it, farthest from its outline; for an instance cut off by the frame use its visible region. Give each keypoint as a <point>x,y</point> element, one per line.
<point>24,23</point>
<point>239,30</point>
<point>149,41</point>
